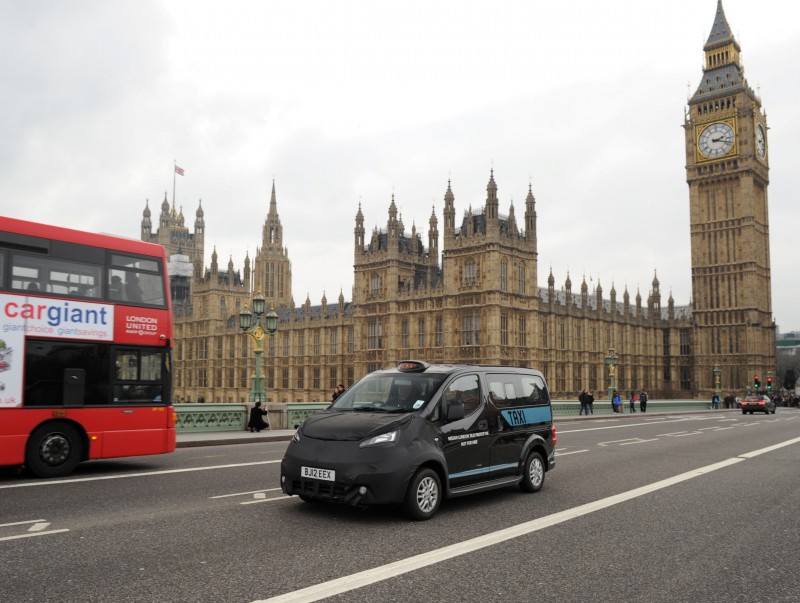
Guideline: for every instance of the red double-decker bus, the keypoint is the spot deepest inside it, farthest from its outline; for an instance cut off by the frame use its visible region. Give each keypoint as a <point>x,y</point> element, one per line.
<point>85,340</point>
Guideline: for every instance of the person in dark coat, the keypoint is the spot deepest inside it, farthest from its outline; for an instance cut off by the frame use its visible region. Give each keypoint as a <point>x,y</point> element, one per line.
<point>257,422</point>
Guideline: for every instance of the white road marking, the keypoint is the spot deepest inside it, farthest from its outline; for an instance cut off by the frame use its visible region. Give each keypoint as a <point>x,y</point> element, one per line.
<point>403,566</point>
<point>30,535</point>
<point>649,423</point>
<point>20,523</point>
<point>39,526</point>
<point>625,442</point>
<point>245,493</point>
<point>128,475</point>
<point>560,454</point>
<point>263,500</point>
<point>680,434</point>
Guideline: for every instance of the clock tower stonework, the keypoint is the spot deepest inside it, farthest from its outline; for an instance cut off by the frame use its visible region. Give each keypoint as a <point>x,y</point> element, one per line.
<point>727,169</point>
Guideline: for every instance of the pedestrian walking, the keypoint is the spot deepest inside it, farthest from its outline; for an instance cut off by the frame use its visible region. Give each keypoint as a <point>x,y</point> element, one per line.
<point>337,391</point>
<point>584,400</point>
<point>715,401</point>
<point>590,402</point>
<point>632,402</point>
<point>643,401</point>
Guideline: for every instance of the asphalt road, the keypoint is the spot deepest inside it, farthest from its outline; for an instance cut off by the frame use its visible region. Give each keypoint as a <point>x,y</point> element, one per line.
<point>678,508</point>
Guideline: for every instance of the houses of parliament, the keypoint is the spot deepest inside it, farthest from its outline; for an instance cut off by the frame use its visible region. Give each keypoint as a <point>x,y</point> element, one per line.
<point>477,299</point>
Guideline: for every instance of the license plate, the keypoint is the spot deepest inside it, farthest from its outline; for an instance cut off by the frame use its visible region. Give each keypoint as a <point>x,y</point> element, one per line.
<point>328,475</point>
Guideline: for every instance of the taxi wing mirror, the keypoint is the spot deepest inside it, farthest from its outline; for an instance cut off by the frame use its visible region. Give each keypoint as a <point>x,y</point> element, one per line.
<point>455,411</point>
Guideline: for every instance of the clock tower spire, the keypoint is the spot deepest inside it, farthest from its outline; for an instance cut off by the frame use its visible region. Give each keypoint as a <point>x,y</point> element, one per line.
<point>727,169</point>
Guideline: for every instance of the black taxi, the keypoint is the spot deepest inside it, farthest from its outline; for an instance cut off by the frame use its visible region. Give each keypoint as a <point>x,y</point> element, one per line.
<point>420,433</point>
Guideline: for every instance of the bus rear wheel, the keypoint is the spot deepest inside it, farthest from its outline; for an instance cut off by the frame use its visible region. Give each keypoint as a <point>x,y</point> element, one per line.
<point>53,450</point>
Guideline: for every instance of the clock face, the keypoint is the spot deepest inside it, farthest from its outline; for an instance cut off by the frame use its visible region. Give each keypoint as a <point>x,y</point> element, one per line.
<point>716,140</point>
<point>761,141</point>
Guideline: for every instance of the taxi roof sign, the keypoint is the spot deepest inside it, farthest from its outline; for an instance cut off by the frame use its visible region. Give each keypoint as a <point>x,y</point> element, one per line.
<point>412,366</point>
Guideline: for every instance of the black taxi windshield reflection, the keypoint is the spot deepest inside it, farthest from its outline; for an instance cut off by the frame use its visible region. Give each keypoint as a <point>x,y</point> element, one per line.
<point>394,392</point>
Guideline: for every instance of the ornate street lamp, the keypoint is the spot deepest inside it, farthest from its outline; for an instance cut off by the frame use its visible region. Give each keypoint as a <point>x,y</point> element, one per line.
<point>250,323</point>
<point>611,362</point>
<point>717,382</point>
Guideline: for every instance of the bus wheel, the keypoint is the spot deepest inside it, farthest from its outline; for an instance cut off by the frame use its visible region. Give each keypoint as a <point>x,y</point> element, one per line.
<point>533,476</point>
<point>424,495</point>
<point>53,450</point>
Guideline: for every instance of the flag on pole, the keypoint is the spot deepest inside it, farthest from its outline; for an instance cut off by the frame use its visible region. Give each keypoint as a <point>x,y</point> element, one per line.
<point>179,170</point>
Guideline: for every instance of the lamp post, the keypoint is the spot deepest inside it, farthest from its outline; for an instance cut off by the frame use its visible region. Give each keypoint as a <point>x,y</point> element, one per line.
<point>250,323</point>
<point>717,383</point>
<point>611,362</point>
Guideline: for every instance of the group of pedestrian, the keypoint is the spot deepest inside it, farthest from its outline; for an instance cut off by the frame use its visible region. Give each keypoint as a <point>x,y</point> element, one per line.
<point>616,401</point>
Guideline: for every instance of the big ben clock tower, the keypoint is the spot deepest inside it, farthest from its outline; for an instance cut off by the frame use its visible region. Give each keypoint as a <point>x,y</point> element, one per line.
<point>727,169</point>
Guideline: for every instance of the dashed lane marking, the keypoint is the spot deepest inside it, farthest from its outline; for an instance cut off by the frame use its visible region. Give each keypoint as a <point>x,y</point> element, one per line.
<point>246,493</point>
<point>38,528</point>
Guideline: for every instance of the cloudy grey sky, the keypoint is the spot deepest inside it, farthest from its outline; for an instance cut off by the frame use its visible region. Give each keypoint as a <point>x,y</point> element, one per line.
<point>344,103</point>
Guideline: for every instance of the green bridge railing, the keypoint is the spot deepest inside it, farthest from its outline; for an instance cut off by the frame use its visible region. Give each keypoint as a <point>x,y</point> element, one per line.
<point>194,418</point>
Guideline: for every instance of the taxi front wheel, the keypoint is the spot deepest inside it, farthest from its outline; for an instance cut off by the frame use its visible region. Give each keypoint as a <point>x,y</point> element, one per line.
<point>424,495</point>
<point>533,473</point>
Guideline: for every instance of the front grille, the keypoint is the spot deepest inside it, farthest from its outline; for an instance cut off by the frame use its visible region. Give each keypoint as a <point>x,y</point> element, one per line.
<point>316,489</point>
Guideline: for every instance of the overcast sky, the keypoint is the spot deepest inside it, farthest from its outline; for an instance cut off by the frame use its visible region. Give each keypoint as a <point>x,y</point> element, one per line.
<point>344,103</point>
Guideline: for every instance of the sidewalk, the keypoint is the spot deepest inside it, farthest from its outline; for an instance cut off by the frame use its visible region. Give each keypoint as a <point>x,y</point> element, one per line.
<point>220,438</point>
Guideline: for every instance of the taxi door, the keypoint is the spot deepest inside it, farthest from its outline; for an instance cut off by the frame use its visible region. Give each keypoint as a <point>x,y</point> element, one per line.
<point>522,409</point>
<point>466,441</point>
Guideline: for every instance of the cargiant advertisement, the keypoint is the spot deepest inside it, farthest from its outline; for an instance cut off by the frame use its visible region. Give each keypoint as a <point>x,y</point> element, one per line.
<point>40,317</point>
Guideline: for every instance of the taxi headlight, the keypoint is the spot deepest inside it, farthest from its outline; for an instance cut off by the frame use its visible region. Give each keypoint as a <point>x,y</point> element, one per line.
<point>384,438</point>
<point>296,436</point>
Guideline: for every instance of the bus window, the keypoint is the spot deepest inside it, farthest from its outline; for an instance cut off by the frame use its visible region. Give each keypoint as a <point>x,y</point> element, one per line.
<point>136,280</point>
<point>51,367</point>
<point>59,277</point>
<point>139,376</point>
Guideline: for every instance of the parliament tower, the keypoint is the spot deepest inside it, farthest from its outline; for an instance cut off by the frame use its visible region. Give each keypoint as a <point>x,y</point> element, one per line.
<point>727,169</point>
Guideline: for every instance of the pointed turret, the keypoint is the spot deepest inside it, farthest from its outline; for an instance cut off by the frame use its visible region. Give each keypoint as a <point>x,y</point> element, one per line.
<point>492,203</point>
<point>147,225</point>
<point>449,212</point>
<point>358,232</point>
<point>530,218</point>
<point>199,222</point>
<point>433,237</point>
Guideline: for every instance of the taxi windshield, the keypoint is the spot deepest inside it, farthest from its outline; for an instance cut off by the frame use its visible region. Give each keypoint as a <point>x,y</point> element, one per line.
<point>390,392</point>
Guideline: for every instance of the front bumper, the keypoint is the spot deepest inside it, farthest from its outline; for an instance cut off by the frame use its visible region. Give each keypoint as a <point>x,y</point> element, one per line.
<point>364,476</point>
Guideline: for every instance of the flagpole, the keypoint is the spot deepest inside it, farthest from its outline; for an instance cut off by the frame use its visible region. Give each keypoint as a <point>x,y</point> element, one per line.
<point>174,177</point>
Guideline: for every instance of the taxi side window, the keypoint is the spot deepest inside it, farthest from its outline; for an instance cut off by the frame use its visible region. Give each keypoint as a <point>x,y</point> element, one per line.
<point>534,390</point>
<point>464,389</point>
<point>503,390</point>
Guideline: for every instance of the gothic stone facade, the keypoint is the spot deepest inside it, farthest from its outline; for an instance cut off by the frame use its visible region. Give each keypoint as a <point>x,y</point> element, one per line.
<point>482,304</point>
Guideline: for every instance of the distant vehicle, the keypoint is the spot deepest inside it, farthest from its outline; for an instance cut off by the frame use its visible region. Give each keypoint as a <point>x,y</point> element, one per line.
<point>758,403</point>
<point>421,433</point>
